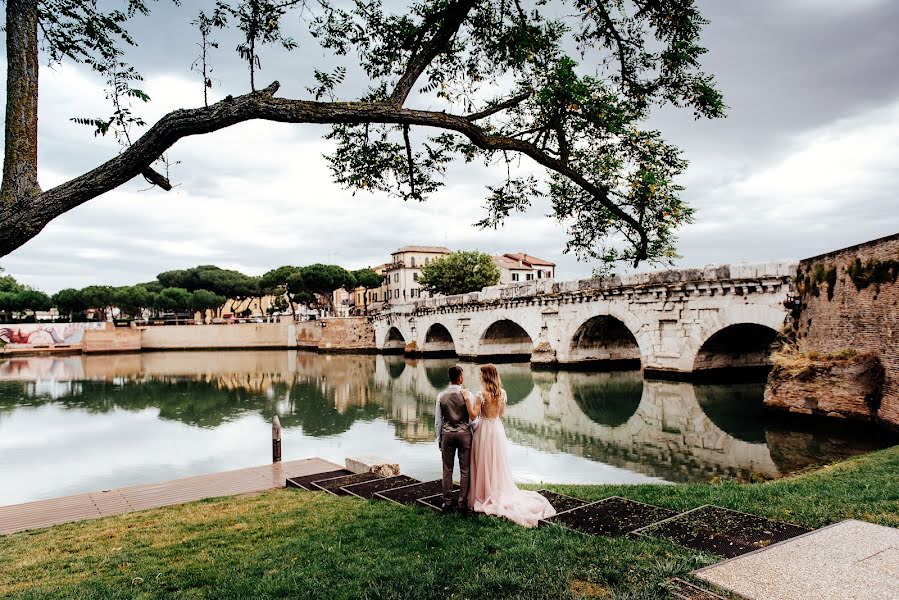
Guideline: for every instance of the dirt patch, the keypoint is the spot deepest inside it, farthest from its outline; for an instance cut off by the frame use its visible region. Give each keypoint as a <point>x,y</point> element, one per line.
<point>722,531</point>
<point>305,481</point>
<point>612,517</point>
<point>588,589</point>
<point>368,489</point>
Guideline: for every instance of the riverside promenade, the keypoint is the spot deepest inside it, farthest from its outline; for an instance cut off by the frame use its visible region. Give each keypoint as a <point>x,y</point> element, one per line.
<point>55,511</point>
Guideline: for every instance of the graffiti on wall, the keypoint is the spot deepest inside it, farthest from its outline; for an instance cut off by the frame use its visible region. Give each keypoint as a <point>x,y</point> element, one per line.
<point>46,333</point>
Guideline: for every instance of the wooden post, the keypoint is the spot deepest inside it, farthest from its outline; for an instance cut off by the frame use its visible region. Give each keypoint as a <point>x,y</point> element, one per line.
<point>276,439</point>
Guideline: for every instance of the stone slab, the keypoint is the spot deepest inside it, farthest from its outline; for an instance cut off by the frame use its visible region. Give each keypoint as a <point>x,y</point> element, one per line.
<point>848,560</point>
<point>372,464</point>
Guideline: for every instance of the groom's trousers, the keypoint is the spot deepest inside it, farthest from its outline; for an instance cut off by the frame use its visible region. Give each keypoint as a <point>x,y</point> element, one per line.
<point>452,442</point>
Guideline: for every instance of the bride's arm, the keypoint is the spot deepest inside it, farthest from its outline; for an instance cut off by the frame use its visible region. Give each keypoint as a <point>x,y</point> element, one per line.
<point>502,407</point>
<point>473,406</point>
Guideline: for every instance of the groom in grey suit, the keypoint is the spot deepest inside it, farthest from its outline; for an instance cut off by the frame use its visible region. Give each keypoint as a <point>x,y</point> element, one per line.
<point>454,435</point>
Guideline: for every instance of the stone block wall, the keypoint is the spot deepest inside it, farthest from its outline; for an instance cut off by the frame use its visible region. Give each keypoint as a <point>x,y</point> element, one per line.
<point>337,334</point>
<point>196,337</point>
<point>850,300</point>
<point>118,339</point>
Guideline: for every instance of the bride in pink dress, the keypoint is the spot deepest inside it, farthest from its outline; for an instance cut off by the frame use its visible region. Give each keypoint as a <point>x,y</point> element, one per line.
<point>492,490</point>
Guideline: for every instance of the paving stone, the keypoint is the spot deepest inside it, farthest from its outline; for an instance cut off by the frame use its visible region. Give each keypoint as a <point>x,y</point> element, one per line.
<point>851,559</point>
<point>722,531</point>
<point>612,517</point>
<point>305,481</point>
<point>367,489</point>
<point>334,484</point>
<point>411,493</point>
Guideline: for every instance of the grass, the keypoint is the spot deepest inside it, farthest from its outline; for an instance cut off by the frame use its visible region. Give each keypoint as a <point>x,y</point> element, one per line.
<point>309,545</point>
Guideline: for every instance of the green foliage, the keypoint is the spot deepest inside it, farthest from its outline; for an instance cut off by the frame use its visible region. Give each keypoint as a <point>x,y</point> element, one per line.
<point>275,281</point>
<point>225,282</point>
<point>132,299</point>
<point>572,84</point>
<point>174,298</point>
<point>68,301</point>
<point>609,178</point>
<point>100,297</point>
<point>367,278</point>
<point>324,279</point>
<point>459,273</point>
<point>873,272</point>
<point>203,300</point>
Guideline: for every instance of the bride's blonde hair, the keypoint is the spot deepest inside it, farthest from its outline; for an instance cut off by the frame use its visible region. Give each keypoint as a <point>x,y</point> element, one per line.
<point>492,384</point>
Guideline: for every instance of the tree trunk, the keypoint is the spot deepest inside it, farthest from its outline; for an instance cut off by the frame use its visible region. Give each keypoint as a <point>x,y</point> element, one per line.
<point>19,185</point>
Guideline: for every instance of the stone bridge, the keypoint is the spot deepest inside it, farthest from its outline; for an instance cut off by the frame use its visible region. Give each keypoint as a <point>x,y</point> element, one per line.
<point>676,321</point>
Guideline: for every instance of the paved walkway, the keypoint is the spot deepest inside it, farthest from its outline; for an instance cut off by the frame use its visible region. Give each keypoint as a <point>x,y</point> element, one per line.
<point>850,560</point>
<point>44,513</point>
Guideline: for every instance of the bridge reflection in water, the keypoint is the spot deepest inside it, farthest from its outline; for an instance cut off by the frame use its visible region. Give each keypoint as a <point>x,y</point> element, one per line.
<point>675,431</point>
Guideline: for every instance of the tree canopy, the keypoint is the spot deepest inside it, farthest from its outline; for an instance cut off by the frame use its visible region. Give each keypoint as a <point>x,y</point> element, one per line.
<point>459,273</point>
<point>568,84</point>
<point>367,278</point>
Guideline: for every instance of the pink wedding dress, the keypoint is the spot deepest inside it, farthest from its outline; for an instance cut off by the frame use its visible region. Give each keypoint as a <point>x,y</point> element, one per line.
<point>492,490</point>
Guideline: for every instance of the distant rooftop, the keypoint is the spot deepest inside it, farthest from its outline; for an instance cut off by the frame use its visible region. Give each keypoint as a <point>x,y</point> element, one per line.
<point>425,249</point>
<point>528,259</point>
<point>507,263</point>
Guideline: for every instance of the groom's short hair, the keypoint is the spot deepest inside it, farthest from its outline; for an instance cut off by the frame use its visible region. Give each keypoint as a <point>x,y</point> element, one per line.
<point>455,373</point>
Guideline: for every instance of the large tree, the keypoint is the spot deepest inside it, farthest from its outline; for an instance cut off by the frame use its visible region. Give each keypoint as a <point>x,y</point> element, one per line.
<point>283,281</point>
<point>568,84</point>
<point>68,301</point>
<point>459,273</point>
<point>321,280</point>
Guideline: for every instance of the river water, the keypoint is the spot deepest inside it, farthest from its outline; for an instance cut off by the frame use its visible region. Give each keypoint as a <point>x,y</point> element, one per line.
<point>85,423</point>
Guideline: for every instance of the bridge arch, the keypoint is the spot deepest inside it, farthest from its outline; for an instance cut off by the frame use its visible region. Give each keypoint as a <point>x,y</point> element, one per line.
<point>736,346</point>
<point>740,337</point>
<point>438,341</point>
<point>394,341</point>
<point>604,339</point>
<point>505,337</point>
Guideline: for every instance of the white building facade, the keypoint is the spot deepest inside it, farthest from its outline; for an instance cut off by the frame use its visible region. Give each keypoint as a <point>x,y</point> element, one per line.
<point>404,270</point>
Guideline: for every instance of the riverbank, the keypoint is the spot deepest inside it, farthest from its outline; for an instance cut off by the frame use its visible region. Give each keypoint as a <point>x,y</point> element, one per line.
<point>288,543</point>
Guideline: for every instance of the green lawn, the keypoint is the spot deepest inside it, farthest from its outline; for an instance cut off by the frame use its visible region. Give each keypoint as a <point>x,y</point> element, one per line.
<point>309,545</point>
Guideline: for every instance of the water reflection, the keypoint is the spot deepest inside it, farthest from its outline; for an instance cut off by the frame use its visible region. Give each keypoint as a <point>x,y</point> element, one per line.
<point>565,426</point>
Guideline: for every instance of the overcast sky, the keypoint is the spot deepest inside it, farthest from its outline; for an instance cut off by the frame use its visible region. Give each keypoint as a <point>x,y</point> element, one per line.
<point>805,162</point>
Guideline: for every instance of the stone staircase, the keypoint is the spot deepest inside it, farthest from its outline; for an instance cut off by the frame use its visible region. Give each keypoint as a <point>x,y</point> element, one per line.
<point>708,528</point>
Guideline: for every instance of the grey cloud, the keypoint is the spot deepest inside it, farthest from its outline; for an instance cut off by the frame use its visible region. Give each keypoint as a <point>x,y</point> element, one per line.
<point>786,69</point>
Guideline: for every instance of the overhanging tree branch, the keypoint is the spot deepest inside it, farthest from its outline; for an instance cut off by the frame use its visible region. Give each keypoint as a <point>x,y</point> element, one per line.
<point>138,158</point>
<point>453,17</point>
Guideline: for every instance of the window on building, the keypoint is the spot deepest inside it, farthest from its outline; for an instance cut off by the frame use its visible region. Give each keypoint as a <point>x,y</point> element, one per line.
<point>427,260</point>
<point>412,262</point>
<point>514,276</point>
<point>529,276</point>
<point>414,276</point>
<point>396,278</point>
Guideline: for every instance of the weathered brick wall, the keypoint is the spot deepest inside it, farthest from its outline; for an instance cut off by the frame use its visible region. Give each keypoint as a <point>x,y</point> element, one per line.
<point>337,334</point>
<point>841,316</point>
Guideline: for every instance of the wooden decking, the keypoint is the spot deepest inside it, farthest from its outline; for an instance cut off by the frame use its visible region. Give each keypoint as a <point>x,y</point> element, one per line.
<point>43,513</point>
